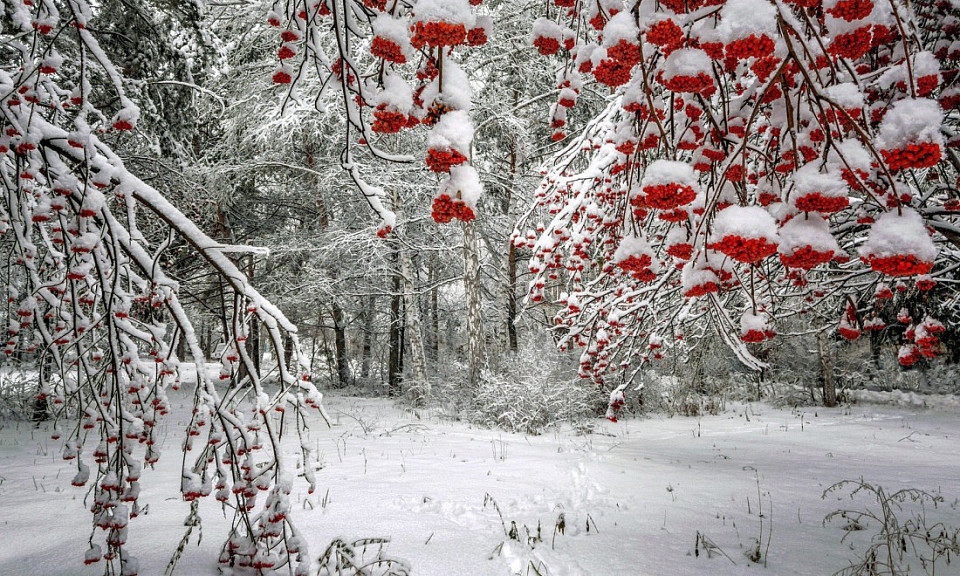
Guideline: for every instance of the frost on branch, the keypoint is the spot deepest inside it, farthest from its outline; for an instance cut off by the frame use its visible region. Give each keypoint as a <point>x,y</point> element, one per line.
<point>753,147</point>
<point>105,318</point>
<point>406,78</point>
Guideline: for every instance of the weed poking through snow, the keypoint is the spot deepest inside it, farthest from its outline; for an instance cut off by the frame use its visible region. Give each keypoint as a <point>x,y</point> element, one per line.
<point>905,538</point>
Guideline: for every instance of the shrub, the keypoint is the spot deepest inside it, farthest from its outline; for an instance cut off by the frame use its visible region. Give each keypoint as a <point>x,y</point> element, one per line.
<point>905,538</point>
<point>531,392</point>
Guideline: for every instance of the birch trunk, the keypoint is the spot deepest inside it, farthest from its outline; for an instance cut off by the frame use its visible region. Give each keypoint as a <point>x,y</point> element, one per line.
<point>419,388</point>
<point>471,286</point>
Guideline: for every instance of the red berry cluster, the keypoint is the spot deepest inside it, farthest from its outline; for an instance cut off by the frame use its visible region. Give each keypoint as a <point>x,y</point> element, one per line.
<point>848,332</point>
<point>599,21</point>
<point>767,198</point>
<point>666,34</point>
<point>805,258</point>
<point>668,196</point>
<point>388,50</point>
<point>628,53</point>
<point>909,355</point>
<point>899,265</point>
<point>851,10</point>
<point>388,120</point>
<point>615,406</point>
<point>713,154</point>
<point>851,45</point>
<point>817,202</point>
<point>547,45</point>
<point>920,155</point>
<point>612,72</point>
<point>683,250</point>
<point>638,267</point>
<point>950,101</point>
<point>747,250</point>
<point>752,46</point>
<point>477,37</point>
<point>734,173</point>
<point>753,336</point>
<point>446,209</point>
<point>925,284</point>
<point>927,84</point>
<point>702,83</point>
<point>684,6</point>
<point>437,34</point>
<point>675,215</point>
<point>702,289</point>
<point>442,160</point>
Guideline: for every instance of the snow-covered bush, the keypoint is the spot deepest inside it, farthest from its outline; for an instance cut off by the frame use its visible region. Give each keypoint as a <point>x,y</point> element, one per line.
<point>18,391</point>
<point>756,163</point>
<point>685,394</point>
<point>532,392</point>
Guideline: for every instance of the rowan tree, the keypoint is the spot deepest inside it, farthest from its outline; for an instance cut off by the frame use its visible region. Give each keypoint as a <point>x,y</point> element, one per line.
<point>87,293</point>
<point>756,161</point>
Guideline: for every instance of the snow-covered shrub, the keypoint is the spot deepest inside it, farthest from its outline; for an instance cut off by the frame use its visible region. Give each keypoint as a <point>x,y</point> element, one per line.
<point>702,173</point>
<point>18,391</point>
<point>532,392</point>
<point>682,395</point>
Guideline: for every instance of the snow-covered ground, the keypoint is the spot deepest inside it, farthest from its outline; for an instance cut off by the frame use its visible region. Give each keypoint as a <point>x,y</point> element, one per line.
<point>633,495</point>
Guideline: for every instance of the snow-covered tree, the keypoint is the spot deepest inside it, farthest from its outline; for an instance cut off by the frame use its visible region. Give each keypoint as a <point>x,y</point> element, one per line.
<point>756,162</point>
<point>87,293</point>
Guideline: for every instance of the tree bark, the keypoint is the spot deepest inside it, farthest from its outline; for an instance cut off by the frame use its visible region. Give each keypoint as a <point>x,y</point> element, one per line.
<point>419,388</point>
<point>367,352</point>
<point>826,364</point>
<point>471,285</point>
<point>433,318</point>
<point>323,216</point>
<point>395,361</point>
<point>340,345</point>
<point>511,287</point>
<point>511,296</point>
<point>253,340</point>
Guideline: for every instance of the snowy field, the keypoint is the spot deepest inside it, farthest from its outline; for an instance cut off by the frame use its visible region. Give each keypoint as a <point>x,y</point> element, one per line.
<point>633,496</point>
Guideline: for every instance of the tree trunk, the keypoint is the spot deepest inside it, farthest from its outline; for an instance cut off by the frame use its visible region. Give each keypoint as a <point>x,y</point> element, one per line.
<point>435,322</point>
<point>253,341</point>
<point>395,361</point>
<point>419,388</point>
<point>367,353</point>
<point>433,319</point>
<point>287,351</point>
<point>511,296</point>
<point>471,285</point>
<point>875,353</point>
<point>511,287</point>
<point>323,216</point>
<point>340,345</point>
<point>826,364</point>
